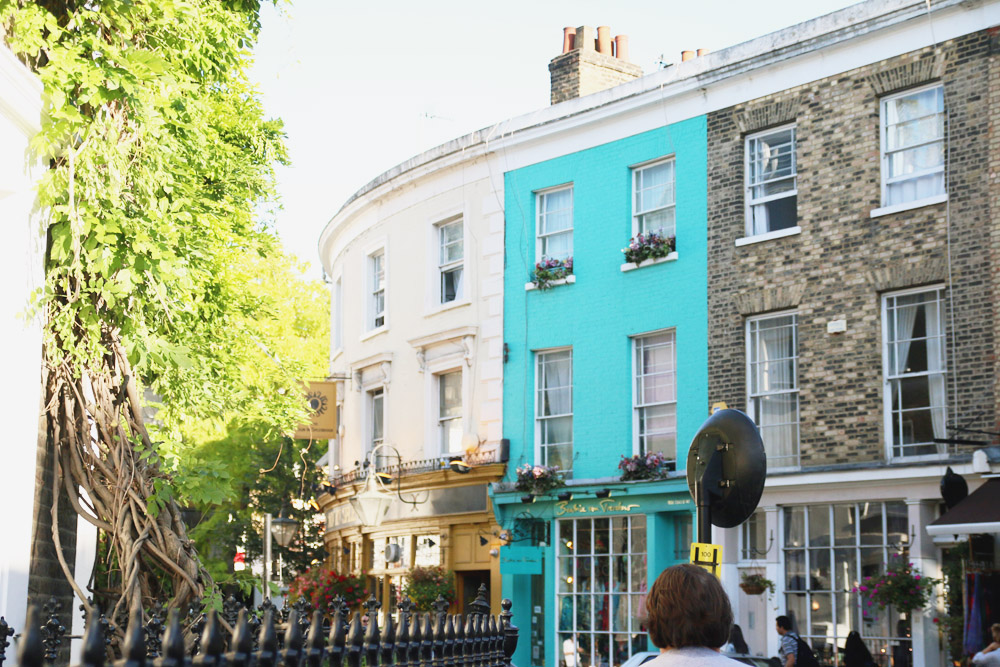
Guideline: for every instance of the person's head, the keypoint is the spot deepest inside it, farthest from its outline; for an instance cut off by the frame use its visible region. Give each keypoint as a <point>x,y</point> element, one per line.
<point>784,624</point>
<point>995,629</point>
<point>687,606</point>
<point>737,640</point>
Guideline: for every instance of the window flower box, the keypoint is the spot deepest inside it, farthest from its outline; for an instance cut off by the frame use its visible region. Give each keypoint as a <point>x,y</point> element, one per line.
<point>652,465</point>
<point>537,480</point>
<point>650,245</point>
<point>550,272</point>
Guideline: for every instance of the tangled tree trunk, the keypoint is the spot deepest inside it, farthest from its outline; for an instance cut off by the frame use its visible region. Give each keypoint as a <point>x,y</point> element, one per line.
<point>102,449</point>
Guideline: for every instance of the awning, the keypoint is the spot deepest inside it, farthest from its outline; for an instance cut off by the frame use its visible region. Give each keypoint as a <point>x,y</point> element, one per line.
<point>978,513</point>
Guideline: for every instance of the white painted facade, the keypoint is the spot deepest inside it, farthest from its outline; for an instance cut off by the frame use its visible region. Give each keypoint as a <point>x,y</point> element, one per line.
<point>21,273</point>
<point>22,258</point>
<point>421,338</point>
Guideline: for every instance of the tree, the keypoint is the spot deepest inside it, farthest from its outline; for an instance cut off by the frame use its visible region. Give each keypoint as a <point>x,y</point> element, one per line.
<point>161,173</point>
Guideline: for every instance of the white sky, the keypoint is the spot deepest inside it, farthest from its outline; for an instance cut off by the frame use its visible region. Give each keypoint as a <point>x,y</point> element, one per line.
<point>356,81</point>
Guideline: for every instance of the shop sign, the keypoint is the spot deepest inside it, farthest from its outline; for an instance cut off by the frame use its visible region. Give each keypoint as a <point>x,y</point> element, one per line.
<point>603,506</point>
<point>520,560</point>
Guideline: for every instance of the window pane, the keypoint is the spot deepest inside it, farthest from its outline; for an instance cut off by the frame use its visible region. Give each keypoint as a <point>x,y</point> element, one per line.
<point>450,385</point>
<point>897,524</point>
<point>845,569</point>
<point>795,570</point>
<point>602,540</point>
<point>558,246</point>
<point>661,221</point>
<point>819,525</point>
<point>845,524</point>
<point>871,523</point>
<point>819,570</point>
<point>451,285</point>
<point>795,526</point>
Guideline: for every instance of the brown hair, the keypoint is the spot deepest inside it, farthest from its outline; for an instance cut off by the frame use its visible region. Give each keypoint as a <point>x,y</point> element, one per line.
<point>995,629</point>
<point>688,607</point>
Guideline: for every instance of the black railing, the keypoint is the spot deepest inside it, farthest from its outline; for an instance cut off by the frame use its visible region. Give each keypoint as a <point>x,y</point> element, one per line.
<point>417,466</point>
<point>292,637</point>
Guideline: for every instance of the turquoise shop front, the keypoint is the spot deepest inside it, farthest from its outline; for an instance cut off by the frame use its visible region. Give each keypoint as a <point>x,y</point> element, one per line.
<point>578,567</point>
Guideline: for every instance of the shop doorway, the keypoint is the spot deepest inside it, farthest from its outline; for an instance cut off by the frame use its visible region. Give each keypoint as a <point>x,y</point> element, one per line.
<point>468,583</point>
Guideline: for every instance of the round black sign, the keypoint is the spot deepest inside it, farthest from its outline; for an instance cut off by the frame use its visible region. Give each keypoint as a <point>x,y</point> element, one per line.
<point>727,455</point>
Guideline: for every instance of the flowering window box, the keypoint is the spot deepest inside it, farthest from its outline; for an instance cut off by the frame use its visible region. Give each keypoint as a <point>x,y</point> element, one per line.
<point>649,246</point>
<point>551,272</point>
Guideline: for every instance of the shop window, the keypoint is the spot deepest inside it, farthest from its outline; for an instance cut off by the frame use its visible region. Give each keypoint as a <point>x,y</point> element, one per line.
<point>601,589</point>
<point>683,536</point>
<point>828,551</point>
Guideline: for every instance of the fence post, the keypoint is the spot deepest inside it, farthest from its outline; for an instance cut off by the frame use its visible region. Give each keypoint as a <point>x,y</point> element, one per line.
<point>134,649</point>
<point>93,653</point>
<point>30,650</point>
<point>509,631</point>
<point>338,633</point>
<point>372,634</point>
<point>292,653</point>
<point>459,651</point>
<point>5,631</point>
<point>388,634</point>
<point>174,653</point>
<point>52,631</point>
<point>354,642</point>
<point>241,643</point>
<point>449,642</point>
<point>314,641</point>
<point>153,630</point>
<point>402,633</point>
<point>268,641</point>
<point>413,642</point>
<point>426,643</point>
<point>437,638</point>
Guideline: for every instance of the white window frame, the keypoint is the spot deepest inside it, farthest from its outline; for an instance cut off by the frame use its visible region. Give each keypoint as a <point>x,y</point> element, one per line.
<point>444,267</point>
<point>889,377</point>
<point>746,555</point>
<point>439,420</point>
<point>540,236</point>
<point>337,334</point>
<point>636,407</point>
<point>884,153</point>
<point>636,213</point>
<point>540,455</point>
<point>374,289</point>
<point>752,398</point>
<point>750,201</point>
<point>370,396</point>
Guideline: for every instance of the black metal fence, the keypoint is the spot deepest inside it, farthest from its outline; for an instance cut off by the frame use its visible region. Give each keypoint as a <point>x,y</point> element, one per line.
<point>296,636</point>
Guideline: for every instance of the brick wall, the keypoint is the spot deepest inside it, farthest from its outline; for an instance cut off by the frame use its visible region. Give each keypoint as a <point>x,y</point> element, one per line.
<point>843,260</point>
<point>584,71</point>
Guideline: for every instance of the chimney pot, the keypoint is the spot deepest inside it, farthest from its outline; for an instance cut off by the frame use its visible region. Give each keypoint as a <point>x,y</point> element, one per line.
<point>585,39</point>
<point>621,47</point>
<point>569,35</point>
<point>686,56</point>
<point>702,52</point>
<point>604,40</point>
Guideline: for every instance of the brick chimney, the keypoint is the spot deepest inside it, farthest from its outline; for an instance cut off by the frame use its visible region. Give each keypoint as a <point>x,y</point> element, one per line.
<point>590,63</point>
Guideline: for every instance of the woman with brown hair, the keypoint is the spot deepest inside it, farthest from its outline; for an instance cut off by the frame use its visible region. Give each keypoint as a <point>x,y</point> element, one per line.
<point>688,616</point>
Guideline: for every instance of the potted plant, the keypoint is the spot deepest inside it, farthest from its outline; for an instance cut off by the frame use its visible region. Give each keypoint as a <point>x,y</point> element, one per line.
<point>650,245</point>
<point>425,584</point>
<point>549,270</point>
<point>755,584</point>
<point>900,587</point>
<point>652,465</point>
<point>537,480</point>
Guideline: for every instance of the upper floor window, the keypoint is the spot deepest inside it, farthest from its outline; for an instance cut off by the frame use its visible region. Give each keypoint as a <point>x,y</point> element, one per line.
<point>376,282</point>
<point>653,201</point>
<point>753,542</point>
<point>655,407</point>
<point>554,409</point>
<point>451,261</point>
<point>914,360</point>
<point>772,186</point>
<point>450,412</point>
<point>773,390</point>
<point>913,145</point>
<point>338,315</point>
<point>555,223</point>
<point>376,418</point>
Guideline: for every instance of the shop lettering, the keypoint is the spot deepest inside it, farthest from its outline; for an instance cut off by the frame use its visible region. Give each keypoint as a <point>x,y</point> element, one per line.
<point>606,505</point>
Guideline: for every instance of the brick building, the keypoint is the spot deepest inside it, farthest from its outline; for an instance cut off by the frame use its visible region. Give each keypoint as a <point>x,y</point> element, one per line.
<point>851,248</point>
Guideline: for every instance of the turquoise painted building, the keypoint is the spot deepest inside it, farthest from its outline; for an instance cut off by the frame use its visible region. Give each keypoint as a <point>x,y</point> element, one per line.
<point>608,361</point>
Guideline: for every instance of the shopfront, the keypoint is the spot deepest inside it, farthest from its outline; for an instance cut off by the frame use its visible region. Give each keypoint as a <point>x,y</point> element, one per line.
<point>450,523</point>
<point>586,563</point>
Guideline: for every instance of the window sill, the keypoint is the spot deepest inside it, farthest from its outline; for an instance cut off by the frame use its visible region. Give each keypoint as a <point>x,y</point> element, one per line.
<point>760,238</point>
<point>446,306</point>
<point>631,266</point>
<point>568,280</point>
<point>375,332</point>
<point>919,203</point>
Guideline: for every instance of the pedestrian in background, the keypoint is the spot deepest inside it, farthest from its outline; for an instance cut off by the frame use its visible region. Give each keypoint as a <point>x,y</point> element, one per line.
<point>990,656</point>
<point>688,618</point>
<point>856,654</point>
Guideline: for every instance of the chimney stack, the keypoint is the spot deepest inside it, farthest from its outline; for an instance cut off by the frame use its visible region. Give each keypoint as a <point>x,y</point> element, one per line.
<point>590,62</point>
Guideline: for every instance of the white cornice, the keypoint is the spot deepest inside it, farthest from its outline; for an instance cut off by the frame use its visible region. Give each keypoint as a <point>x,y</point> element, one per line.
<point>21,100</point>
<point>783,59</point>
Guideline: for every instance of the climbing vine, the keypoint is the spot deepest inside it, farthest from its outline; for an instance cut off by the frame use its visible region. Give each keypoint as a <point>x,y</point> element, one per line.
<point>159,248</point>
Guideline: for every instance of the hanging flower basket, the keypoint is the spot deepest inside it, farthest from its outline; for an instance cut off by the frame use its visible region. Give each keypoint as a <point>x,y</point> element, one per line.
<point>538,480</point>
<point>753,589</point>
<point>755,584</point>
